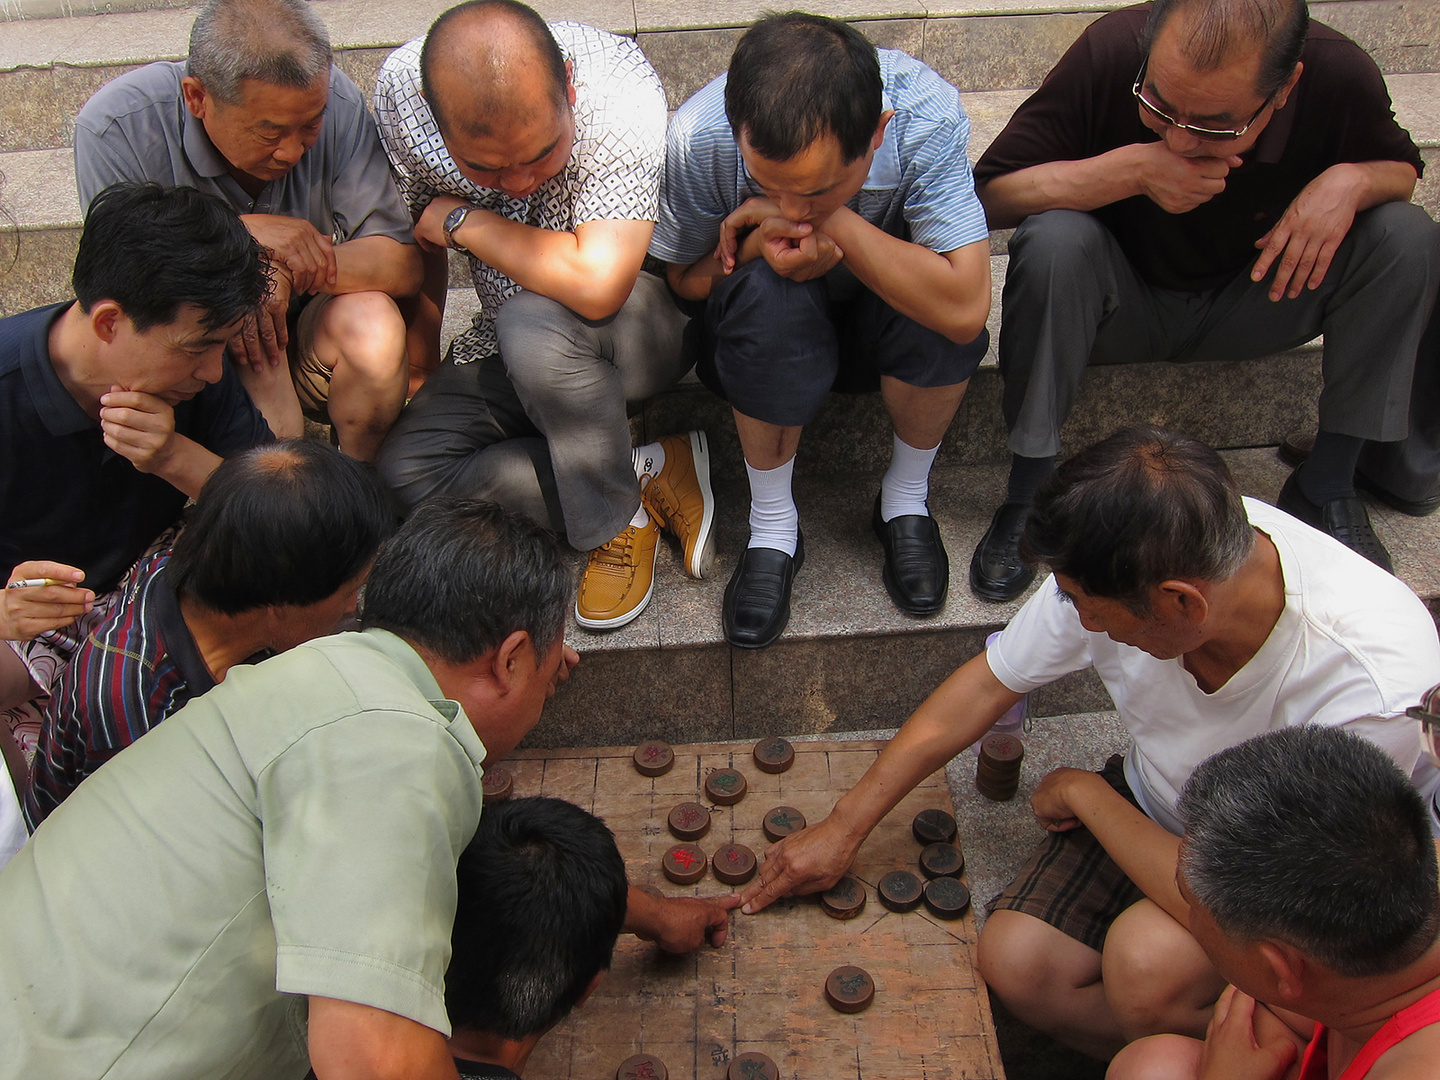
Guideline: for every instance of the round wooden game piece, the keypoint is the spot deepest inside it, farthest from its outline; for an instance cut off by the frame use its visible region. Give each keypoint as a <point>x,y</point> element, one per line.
<point>850,989</point>
<point>654,758</point>
<point>496,784</point>
<point>997,791</point>
<point>933,827</point>
<point>781,822</point>
<point>684,864</point>
<point>843,900</point>
<point>752,1066</point>
<point>725,787</point>
<point>773,755</point>
<point>1002,750</point>
<point>899,890</point>
<point>734,864</point>
<point>689,821</point>
<point>946,898</point>
<point>942,860</point>
<point>642,1067</point>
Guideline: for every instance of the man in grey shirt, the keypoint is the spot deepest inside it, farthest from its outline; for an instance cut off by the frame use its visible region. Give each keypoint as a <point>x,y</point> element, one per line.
<point>259,116</point>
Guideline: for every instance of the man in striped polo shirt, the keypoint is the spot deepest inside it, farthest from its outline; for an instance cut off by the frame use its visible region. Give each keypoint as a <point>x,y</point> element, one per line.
<point>818,201</point>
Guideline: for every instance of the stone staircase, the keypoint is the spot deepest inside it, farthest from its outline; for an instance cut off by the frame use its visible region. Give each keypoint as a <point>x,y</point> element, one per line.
<point>849,661</point>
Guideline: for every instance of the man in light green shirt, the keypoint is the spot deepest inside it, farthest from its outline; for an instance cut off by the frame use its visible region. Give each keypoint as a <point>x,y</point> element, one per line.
<point>289,839</point>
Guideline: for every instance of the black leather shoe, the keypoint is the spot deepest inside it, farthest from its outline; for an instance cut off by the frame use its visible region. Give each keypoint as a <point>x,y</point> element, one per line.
<point>1414,507</point>
<point>917,570</point>
<point>757,600</point>
<point>1346,520</point>
<point>996,570</point>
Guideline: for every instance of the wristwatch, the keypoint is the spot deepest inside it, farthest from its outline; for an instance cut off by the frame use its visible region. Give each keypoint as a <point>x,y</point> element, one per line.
<point>453,221</point>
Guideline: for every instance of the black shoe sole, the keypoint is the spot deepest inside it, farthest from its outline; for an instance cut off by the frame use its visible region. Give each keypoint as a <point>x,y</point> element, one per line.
<point>986,591</point>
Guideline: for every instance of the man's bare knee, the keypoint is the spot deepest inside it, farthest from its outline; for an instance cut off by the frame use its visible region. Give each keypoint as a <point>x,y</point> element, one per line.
<point>1026,961</point>
<point>1157,978</point>
<point>361,336</point>
<point>1159,1057</point>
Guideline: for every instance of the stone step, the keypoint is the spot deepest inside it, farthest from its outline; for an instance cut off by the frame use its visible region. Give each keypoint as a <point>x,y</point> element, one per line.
<point>849,660</point>
<point>43,209</point>
<point>50,66</point>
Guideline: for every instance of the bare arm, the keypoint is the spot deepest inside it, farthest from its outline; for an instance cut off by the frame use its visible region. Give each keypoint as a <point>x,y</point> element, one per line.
<point>960,711</point>
<point>678,924</point>
<point>591,271</point>
<point>1175,183</point>
<point>948,293</point>
<point>1148,854</point>
<point>355,1042</point>
<point>376,264</point>
<point>141,427</point>
<point>424,313</point>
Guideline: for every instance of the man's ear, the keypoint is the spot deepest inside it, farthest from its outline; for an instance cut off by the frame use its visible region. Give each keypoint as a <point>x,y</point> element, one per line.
<point>879,138</point>
<point>1283,94</point>
<point>1181,598</point>
<point>570,81</point>
<point>196,99</point>
<point>105,316</point>
<point>1287,967</point>
<point>508,660</point>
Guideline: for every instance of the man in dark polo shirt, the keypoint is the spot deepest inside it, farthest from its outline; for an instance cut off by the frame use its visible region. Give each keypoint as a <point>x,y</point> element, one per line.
<point>1170,144</point>
<point>117,406</point>
<point>259,116</point>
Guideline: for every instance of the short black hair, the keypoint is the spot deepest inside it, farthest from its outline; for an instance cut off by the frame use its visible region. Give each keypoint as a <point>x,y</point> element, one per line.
<point>1314,837</point>
<point>541,898</point>
<point>285,523</point>
<point>460,576</point>
<point>486,67</point>
<point>1278,26</point>
<point>795,78</point>
<point>1141,507</point>
<point>153,250</point>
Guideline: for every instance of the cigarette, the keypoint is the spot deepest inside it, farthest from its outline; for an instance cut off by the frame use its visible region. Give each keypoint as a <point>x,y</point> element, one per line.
<point>36,582</point>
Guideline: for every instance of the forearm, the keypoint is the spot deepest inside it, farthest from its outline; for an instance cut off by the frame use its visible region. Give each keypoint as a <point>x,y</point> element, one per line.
<point>1061,185</point>
<point>695,281</point>
<point>377,264</point>
<point>1146,852</point>
<point>640,911</point>
<point>355,1042</point>
<point>1373,183</point>
<point>591,273</point>
<point>960,711</point>
<point>187,466</point>
<point>425,314</point>
<point>950,295</point>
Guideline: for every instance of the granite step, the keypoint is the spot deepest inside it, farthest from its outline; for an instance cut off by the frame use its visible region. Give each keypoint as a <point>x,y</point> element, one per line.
<point>49,67</point>
<point>849,660</point>
<point>40,228</point>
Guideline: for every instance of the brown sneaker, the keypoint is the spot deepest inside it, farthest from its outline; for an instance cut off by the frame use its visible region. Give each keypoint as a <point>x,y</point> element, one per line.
<point>681,500</point>
<point>619,579</point>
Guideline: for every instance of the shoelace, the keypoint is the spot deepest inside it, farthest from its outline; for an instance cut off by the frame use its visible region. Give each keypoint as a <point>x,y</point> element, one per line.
<point>616,553</point>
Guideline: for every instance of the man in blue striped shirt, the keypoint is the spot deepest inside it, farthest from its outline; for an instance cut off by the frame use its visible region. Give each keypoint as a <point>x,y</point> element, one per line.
<point>818,200</point>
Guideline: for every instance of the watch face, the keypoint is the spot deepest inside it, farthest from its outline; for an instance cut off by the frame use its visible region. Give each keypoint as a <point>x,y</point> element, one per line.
<point>453,221</point>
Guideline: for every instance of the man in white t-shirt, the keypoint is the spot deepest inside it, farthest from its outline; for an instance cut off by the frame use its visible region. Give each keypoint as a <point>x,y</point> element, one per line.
<point>536,151</point>
<point>1210,618</point>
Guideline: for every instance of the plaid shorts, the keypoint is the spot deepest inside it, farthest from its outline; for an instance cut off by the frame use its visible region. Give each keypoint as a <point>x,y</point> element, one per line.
<point>1071,882</point>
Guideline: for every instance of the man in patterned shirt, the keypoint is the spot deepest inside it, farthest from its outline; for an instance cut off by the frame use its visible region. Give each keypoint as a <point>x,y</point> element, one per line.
<point>852,253</point>
<point>274,554</point>
<point>536,151</point>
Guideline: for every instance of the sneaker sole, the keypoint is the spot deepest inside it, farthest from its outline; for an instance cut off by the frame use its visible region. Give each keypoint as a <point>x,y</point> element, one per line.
<point>702,559</point>
<point>619,620</point>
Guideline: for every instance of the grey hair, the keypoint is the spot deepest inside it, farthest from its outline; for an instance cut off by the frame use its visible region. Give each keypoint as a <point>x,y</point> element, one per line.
<point>1217,27</point>
<point>1313,837</point>
<point>279,42</point>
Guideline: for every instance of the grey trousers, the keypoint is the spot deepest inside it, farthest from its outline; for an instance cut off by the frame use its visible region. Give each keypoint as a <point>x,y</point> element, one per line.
<point>1072,299</point>
<point>543,428</point>
<point>1410,468</point>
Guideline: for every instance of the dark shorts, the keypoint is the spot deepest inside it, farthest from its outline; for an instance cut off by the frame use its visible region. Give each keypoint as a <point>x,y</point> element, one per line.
<point>1071,882</point>
<point>774,348</point>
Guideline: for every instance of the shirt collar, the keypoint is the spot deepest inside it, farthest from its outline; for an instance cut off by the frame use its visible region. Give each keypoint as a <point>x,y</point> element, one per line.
<point>885,165</point>
<point>404,656</point>
<point>179,642</point>
<point>57,409</point>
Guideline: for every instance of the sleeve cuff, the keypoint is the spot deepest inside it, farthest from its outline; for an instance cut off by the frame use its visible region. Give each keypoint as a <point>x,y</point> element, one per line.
<point>364,980</point>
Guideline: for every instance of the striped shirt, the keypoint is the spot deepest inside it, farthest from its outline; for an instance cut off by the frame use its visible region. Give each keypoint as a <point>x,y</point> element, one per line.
<point>919,186</point>
<point>134,670</point>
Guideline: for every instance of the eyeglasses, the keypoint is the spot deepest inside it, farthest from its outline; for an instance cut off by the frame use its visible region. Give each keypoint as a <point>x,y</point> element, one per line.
<point>1209,134</point>
<point>1429,728</point>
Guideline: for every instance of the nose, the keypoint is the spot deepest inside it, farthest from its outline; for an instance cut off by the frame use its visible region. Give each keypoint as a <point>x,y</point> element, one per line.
<point>517,182</point>
<point>212,367</point>
<point>1179,142</point>
<point>793,208</point>
<point>290,151</point>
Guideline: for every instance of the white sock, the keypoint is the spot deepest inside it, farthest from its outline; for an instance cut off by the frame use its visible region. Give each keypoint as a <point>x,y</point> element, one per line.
<point>648,460</point>
<point>641,518</point>
<point>907,482</point>
<point>774,521</point>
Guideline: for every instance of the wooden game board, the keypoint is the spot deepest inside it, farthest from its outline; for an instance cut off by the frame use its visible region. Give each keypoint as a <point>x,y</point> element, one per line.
<point>762,990</point>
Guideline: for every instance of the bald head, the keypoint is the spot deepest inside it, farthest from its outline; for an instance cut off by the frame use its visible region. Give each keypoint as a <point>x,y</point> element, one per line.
<point>491,64</point>
<point>1212,33</point>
